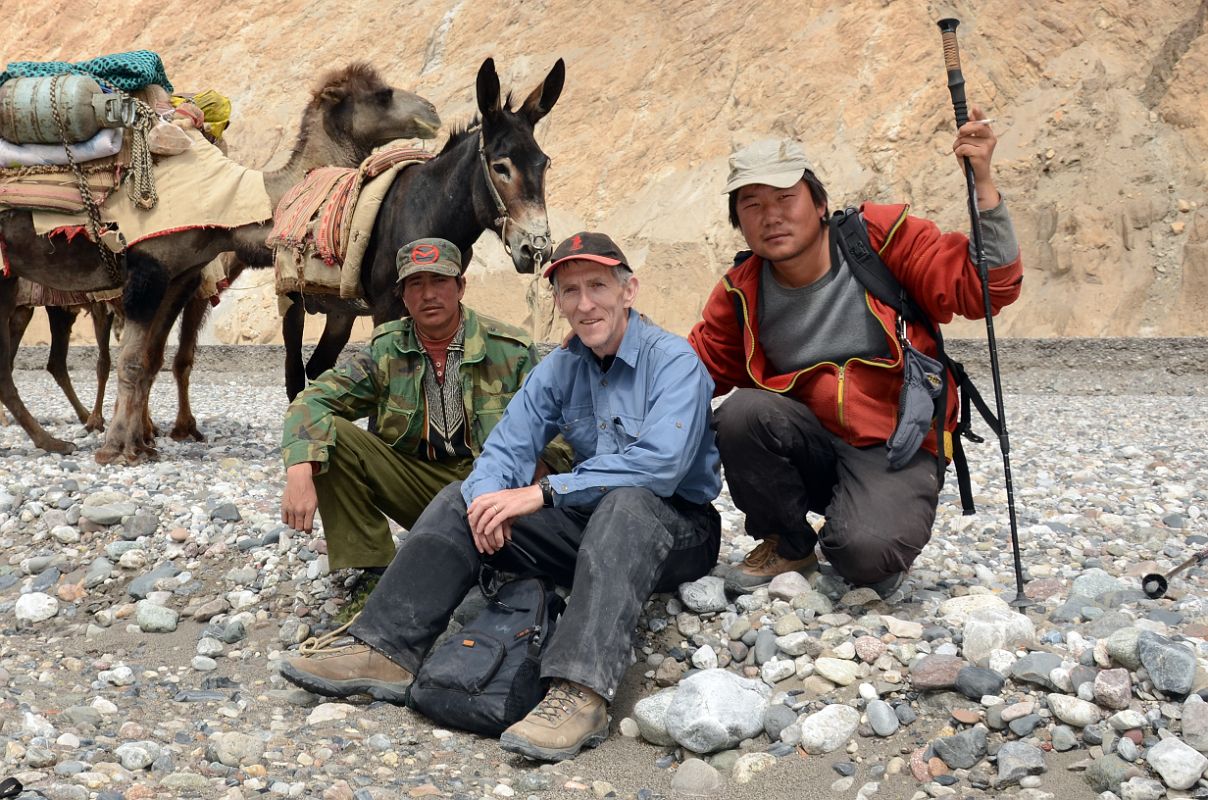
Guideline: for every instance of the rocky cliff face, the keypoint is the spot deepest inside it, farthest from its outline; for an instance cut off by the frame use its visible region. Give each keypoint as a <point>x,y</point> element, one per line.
<point>1100,105</point>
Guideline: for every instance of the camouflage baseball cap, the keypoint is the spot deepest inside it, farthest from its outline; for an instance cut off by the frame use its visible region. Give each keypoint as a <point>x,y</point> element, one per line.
<point>775,162</point>
<point>429,255</point>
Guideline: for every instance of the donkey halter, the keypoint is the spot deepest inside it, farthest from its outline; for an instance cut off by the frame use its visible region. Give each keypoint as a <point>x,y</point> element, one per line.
<point>539,242</point>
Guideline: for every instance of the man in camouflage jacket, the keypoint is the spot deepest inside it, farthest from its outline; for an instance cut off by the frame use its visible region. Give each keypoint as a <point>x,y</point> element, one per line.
<point>437,381</point>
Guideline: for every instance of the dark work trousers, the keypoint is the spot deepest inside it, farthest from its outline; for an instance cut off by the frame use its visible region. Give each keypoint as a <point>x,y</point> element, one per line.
<point>366,481</point>
<point>780,462</point>
<point>613,557</point>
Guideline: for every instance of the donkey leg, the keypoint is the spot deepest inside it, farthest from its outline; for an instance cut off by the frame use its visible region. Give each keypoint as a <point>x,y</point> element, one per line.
<point>336,331</point>
<point>102,324</point>
<point>61,322</point>
<point>182,368</point>
<point>8,389</point>
<point>292,323</point>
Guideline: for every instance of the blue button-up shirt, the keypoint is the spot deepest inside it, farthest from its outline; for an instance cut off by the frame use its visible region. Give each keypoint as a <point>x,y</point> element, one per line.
<point>646,422</point>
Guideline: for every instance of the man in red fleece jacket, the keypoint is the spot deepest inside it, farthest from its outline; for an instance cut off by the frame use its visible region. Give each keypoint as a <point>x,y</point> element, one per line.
<point>817,365</point>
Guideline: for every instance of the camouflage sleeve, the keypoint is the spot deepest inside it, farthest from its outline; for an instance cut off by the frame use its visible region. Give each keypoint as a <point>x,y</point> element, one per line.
<point>350,390</point>
<point>558,455</point>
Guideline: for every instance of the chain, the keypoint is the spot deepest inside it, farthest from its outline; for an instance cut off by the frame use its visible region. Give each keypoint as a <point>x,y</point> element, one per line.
<point>108,257</point>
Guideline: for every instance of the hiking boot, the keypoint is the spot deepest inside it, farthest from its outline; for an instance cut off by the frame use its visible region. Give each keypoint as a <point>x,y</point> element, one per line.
<point>569,718</point>
<point>345,671</point>
<point>764,563</point>
<point>886,587</point>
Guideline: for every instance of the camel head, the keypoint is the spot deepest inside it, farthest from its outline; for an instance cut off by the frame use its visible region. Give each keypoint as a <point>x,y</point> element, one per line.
<point>516,165</point>
<point>361,111</point>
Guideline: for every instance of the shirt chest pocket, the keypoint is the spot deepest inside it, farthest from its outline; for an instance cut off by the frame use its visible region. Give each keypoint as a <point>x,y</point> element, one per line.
<point>395,418</point>
<point>579,427</point>
<point>488,410</point>
<point>626,430</point>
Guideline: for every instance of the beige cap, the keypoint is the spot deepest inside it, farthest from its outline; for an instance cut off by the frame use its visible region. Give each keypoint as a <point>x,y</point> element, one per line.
<point>775,162</point>
<point>428,255</point>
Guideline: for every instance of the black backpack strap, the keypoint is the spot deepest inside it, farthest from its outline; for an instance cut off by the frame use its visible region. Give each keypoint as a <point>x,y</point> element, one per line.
<point>964,429</point>
<point>851,236</point>
<point>969,393</point>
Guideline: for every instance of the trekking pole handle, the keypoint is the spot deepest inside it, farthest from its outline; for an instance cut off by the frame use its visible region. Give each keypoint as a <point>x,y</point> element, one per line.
<point>952,63</point>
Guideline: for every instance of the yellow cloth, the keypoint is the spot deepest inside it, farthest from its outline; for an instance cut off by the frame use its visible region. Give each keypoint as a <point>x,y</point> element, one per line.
<point>201,187</point>
<point>215,107</point>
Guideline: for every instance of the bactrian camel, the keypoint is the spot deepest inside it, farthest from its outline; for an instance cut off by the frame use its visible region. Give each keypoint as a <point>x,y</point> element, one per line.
<point>351,112</point>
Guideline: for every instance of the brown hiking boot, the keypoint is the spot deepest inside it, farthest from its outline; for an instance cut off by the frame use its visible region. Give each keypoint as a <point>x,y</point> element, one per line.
<point>569,718</point>
<point>345,671</point>
<point>764,563</point>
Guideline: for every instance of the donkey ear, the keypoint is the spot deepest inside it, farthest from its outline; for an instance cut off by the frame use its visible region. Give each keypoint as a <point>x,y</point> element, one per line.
<point>542,99</point>
<point>487,87</point>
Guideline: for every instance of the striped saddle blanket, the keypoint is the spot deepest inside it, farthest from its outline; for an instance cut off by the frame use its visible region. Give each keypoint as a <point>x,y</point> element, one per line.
<point>322,226</point>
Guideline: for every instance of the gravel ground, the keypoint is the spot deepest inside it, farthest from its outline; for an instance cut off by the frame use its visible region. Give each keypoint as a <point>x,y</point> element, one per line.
<point>143,612</point>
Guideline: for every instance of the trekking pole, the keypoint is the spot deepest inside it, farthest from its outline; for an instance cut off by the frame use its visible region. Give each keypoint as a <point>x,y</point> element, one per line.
<point>956,88</point>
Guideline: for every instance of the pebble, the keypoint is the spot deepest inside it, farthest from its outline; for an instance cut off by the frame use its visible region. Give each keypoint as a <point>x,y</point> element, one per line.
<point>205,544</point>
<point>882,718</point>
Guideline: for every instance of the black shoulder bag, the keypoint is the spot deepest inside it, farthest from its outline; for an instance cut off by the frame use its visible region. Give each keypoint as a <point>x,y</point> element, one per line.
<point>488,675</point>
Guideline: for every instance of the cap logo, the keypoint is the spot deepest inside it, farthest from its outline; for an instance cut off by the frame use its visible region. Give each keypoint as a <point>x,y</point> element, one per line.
<point>576,243</point>
<point>425,254</point>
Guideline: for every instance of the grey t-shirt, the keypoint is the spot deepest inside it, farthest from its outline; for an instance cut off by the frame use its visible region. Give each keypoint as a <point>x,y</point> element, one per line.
<point>829,320</point>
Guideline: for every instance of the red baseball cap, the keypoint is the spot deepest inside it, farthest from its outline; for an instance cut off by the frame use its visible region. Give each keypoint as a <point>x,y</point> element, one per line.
<point>587,246</point>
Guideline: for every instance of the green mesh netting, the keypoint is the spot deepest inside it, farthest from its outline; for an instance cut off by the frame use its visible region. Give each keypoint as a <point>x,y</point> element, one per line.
<point>127,71</point>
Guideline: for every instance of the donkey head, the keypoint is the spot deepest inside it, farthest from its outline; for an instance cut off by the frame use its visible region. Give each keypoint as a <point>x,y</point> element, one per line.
<point>359,108</point>
<point>515,165</point>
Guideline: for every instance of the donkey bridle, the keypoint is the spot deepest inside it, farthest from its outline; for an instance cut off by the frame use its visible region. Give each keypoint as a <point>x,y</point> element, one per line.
<point>539,242</point>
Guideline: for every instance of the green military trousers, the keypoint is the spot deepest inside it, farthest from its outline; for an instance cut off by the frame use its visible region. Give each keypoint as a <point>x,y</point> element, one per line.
<point>367,481</point>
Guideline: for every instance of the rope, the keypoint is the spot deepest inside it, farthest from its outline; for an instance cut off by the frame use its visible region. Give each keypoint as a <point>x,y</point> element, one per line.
<point>249,288</point>
<point>87,168</point>
<point>322,644</point>
<point>142,188</point>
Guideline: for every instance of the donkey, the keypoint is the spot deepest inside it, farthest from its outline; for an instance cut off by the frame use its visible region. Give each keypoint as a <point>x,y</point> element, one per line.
<point>351,112</point>
<point>489,176</point>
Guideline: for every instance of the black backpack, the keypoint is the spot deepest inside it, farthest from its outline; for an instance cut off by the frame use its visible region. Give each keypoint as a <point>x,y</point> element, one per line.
<point>849,235</point>
<point>488,675</point>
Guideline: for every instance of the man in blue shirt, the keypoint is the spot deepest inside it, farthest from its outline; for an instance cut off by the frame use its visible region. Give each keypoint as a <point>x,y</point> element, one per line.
<point>632,517</point>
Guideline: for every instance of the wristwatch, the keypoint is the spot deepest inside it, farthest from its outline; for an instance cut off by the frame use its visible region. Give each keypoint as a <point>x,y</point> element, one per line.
<point>547,493</point>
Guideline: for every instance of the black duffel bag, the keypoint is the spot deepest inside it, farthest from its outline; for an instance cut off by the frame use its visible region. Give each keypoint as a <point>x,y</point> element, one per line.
<point>488,675</point>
